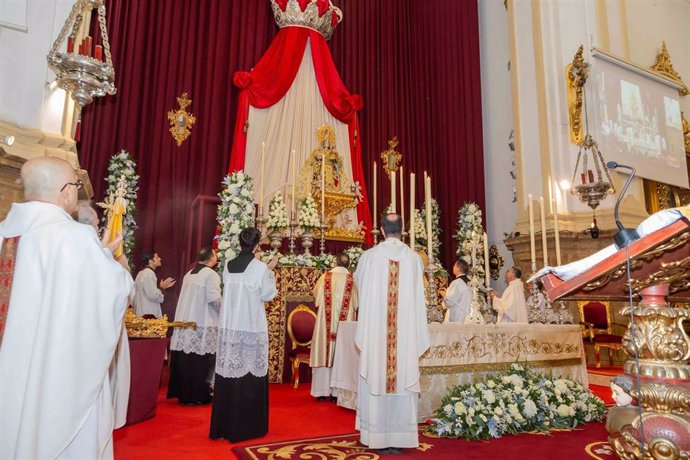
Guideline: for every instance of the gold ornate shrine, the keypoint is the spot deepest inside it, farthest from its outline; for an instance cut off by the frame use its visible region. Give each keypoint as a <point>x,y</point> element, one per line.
<point>340,193</point>
<point>391,157</point>
<point>181,121</point>
<point>664,67</point>
<point>576,74</point>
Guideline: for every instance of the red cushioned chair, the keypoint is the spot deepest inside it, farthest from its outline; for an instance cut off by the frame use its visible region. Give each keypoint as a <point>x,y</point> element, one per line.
<point>597,328</point>
<point>300,326</point>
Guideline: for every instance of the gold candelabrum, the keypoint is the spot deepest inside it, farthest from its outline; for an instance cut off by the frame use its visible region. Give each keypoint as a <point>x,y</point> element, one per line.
<point>82,71</point>
<point>151,328</point>
<point>659,428</point>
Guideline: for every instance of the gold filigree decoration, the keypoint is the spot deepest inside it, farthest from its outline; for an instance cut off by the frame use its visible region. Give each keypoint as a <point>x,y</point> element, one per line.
<point>673,273</point>
<point>576,74</point>
<point>181,121</point>
<point>686,132</point>
<point>391,157</point>
<point>658,332</point>
<point>294,284</point>
<point>495,262</point>
<point>515,346</point>
<point>664,67</point>
<point>156,327</point>
<point>492,367</point>
<point>663,398</point>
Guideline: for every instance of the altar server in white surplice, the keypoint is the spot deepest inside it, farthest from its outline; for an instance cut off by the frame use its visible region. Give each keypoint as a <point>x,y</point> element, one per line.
<point>458,297</point>
<point>391,335</point>
<point>148,295</point>
<point>512,306</point>
<point>336,299</point>
<point>240,401</point>
<point>193,357</point>
<point>61,324</point>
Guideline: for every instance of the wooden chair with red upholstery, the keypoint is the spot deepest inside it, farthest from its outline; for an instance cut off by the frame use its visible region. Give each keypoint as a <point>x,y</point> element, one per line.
<point>300,327</point>
<point>597,328</point>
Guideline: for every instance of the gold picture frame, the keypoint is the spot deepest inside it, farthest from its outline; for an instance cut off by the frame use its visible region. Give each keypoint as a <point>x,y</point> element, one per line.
<point>391,157</point>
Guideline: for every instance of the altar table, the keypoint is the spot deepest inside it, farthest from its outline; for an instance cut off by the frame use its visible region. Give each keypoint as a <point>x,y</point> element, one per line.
<point>146,356</point>
<point>464,353</point>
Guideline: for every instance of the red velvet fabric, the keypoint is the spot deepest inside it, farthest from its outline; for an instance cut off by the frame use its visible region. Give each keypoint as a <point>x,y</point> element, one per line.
<point>415,64</point>
<point>595,313</point>
<point>302,324</point>
<point>146,357</point>
<point>607,338</point>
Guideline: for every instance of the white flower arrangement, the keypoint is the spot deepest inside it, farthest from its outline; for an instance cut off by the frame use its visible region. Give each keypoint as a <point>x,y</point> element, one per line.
<point>308,215</point>
<point>519,400</point>
<point>123,167</point>
<point>419,229</point>
<point>235,213</point>
<point>470,231</point>
<point>322,262</point>
<point>354,253</point>
<point>277,213</point>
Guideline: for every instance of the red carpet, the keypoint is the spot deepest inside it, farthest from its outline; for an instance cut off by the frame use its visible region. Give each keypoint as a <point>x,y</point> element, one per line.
<point>182,432</point>
<point>574,445</point>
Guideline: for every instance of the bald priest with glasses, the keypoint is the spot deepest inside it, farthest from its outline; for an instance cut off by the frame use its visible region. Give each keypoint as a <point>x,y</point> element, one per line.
<point>62,300</point>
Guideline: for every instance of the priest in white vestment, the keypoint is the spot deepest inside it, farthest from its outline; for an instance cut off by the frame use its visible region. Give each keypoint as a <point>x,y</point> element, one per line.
<point>148,294</point>
<point>61,324</point>
<point>512,305</point>
<point>391,335</point>
<point>240,400</point>
<point>335,296</point>
<point>457,297</point>
<point>193,357</point>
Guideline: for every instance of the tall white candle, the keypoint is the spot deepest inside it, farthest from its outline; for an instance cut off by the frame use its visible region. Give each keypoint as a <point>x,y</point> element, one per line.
<point>543,231</point>
<point>293,168</point>
<point>375,210</point>
<point>486,259</point>
<point>429,237</point>
<point>412,223</point>
<point>556,230</point>
<point>261,177</point>
<point>393,203</point>
<point>532,248</point>
<point>402,197</point>
<point>323,188</point>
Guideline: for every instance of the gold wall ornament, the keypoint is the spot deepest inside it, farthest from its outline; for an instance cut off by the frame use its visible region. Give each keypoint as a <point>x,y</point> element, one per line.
<point>391,157</point>
<point>576,74</point>
<point>686,133</point>
<point>664,67</point>
<point>181,121</point>
<point>495,262</point>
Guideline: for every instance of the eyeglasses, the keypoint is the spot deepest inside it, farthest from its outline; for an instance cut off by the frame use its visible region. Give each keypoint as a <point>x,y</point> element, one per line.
<point>79,184</point>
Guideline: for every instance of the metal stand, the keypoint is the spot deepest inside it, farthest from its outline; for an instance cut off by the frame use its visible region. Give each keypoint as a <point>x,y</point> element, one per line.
<point>293,228</point>
<point>375,232</point>
<point>323,238</point>
<point>433,313</point>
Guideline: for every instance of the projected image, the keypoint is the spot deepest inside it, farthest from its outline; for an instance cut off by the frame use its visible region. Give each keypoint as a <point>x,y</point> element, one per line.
<point>639,123</point>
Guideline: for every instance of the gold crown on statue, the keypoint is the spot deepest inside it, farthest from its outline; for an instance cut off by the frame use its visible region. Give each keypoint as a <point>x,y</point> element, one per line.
<point>319,15</point>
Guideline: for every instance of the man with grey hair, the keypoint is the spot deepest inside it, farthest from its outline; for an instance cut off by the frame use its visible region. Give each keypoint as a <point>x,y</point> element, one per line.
<point>87,215</point>
<point>391,335</point>
<point>62,302</point>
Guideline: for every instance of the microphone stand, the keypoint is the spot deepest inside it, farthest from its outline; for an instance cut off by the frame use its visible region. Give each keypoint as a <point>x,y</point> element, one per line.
<point>625,236</point>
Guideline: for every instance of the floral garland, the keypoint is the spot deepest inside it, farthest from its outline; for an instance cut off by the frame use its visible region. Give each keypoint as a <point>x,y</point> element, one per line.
<point>235,213</point>
<point>308,215</point>
<point>354,253</point>
<point>322,262</point>
<point>123,166</point>
<point>470,232</point>
<point>519,400</point>
<point>277,213</point>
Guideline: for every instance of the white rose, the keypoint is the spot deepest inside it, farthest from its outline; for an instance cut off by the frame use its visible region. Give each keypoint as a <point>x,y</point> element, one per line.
<point>565,411</point>
<point>498,411</point>
<point>233,209</point>
<point>230,254</point>
<point>223,245</point>
<point>240,176</point>
<point>448,408</point>
<point>460,408</point>
<point>530,408</point>
<point>490,384</point>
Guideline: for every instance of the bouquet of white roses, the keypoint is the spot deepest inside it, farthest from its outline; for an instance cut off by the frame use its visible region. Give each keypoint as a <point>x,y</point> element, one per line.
<point>518,400</point>
<point>235,213</point>
<point>308,215</point>
<point>277,213</point>
<point>354,253</point>
<point>419,230</point>
<point>123,166</point>
<point>435,228</point>
<point>470,232</point>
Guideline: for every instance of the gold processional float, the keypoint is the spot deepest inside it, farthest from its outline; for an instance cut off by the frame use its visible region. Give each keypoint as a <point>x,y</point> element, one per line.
<point>140,327</point>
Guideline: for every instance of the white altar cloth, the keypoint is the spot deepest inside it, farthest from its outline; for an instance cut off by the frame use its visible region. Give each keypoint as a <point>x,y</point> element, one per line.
<point>464,353</point>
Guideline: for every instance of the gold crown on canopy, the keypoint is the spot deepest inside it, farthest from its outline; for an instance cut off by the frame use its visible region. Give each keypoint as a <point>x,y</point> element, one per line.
<point>319,15</point>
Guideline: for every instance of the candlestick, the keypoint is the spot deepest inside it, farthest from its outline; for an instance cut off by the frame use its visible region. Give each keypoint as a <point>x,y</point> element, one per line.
<point>293,169</point>
<point>543,231</point>
<point>557,234</point>
<point>261,175</point>
<point>323,187</point>
<point>412,223</point>
<point>486,259</point>
<point>429,238</point>
<point>70,44</point>
<point>375,217</point>
<point>582,176</point>
<point>532,248</point>
<point>87,46</point>
<point>98,52</point>
<point>393,206</point>
<point>402,198</point>
<point>590,175</point>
